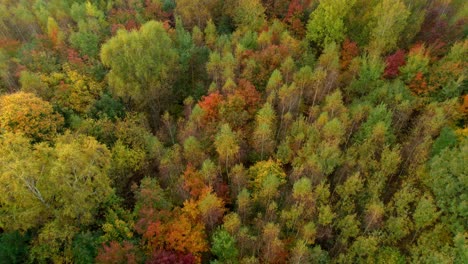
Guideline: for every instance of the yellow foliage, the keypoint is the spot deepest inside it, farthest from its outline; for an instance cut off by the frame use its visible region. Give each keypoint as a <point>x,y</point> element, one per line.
<point>25,113</point>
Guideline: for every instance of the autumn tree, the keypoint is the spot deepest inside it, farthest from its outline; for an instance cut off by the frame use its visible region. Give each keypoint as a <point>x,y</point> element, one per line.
<point>196,13</point>
<point>211,208</point>
<point>264,134</point>
<point>25,113</point>
<point>393,63</point>
<point>226,145</point>
<point>273,250</point>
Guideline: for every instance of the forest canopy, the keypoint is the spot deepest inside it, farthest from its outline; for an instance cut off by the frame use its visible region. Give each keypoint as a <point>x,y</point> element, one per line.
<point>236,131</point>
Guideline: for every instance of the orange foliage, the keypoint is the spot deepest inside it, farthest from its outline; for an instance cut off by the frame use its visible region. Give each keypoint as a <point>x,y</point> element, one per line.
<point>183,234</point>
<point>419,84</point>
<point>464,105</point>
<point>210,104</point>
<point>349,51</point>
<point>193,181</point>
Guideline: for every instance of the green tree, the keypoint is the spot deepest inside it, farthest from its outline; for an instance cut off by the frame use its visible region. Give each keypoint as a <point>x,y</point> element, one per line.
<point>249,15</point>
<point>448,181</point>
<point>389,21</point>
<point>264,133</point>
<point>224,246</point>
<point>14,247</point>
<point>326,23</point>
<point>142,66</point>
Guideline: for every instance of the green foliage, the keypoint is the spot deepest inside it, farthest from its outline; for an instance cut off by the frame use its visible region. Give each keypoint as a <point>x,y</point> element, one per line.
<point>223,247</point>
<point>389,21</point>
<point>210,131</point>
<point>447,180</point>
<point>326,23</point>
<point>85,248</point>
<point>249,15</point>
<point>142,65</point>
<point>107,107</point>
<point>446,139</point>
<point>14,247</point>
<point>379,118</point>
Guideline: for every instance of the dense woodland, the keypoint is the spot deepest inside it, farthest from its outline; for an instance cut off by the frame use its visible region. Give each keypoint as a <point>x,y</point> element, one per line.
<point>235,131</point>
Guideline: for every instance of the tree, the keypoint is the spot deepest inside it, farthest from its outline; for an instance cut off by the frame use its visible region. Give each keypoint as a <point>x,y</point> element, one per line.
<point>417,12</point>
<point>266,177</point>
<point>170,257</point>
<point>249,15</point>
<point>116,252</point>
<point>389,21</point>
<point>264,133</point>
<point>425,213</point>
<point>91,26</point>
<point>193,151</point>
<point>302,190</point>
<point>54,33</point>
<point>142,65</point>
<point>326,23</point>
<point>25,113</point>
<point>226,144</point>
<point>61,185</point>
<point>196,13</point>
<point>447,76</point>
<point>186,236</point>
<point>211,208</point>
<point>224,246</point>
<point>85,247</point>
<point>349,51</point>
<point>273,250</point>
<point>14,247</point>
<point>446,177</point>
<point>393,63</point>
<point>446,139</point>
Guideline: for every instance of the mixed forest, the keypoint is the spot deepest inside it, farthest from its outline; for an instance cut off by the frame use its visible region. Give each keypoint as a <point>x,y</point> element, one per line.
<point>233,131</point>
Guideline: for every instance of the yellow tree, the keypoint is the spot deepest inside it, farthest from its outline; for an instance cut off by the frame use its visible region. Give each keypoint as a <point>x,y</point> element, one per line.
<point>56,189</point>
<point>226,144</point>
<point>25,113</point>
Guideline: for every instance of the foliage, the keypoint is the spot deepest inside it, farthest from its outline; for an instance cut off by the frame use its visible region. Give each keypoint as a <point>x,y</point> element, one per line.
<point>326,23</point>
<point>25,113</point>
<point>236,131</point>
<point>142,69</point>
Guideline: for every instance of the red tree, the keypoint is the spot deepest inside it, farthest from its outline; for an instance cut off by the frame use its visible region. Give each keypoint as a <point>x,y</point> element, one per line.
<point>393,63</point>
